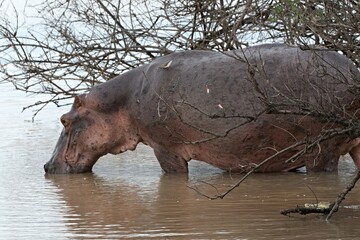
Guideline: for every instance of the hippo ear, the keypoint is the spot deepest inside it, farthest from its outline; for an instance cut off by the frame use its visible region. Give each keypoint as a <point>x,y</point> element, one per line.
<point>77,102</point>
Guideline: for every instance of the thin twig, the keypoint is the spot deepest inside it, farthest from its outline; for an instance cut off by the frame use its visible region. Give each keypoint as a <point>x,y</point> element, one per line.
<point>237,184</point>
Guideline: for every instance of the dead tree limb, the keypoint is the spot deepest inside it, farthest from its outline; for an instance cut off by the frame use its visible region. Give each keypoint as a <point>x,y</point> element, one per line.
<point>307,147</point>
<point>308,209</point>
<point>342,195</point>
<point>237,184</point>
<point>324,207</point>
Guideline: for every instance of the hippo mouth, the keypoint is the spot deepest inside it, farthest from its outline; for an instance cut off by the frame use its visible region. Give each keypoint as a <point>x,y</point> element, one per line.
<point>57,167</point>
<point>50,168</point>
<point>62,162</point>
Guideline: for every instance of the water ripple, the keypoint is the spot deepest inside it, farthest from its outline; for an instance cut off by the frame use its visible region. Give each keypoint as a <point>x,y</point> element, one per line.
<point>128,197</point>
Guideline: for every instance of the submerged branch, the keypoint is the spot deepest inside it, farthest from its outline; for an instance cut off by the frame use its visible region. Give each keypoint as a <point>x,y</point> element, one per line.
<point>308,209</point>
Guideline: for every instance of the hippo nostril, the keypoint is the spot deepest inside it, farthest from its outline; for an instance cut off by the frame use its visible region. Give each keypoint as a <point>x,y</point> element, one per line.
<point>46,167</point>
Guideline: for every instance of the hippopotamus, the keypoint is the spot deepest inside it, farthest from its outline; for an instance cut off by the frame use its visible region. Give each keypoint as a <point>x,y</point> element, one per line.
<point>232,110</point>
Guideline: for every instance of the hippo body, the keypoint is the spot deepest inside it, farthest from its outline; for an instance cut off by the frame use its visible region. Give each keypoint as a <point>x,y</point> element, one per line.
<point>232,110</point>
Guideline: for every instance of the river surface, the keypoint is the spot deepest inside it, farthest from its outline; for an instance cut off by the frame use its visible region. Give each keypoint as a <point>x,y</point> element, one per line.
<point>128,197</point>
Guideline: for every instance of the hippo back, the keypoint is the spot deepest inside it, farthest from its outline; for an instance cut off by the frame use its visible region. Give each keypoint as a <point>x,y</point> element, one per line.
<point>212,93</point>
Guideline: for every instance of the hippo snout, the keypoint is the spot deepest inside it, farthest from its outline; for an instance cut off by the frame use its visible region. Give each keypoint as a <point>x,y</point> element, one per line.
<point>46,167</point>
<point>49,169</point>
<point>61,167</point>
<point>56,168</point>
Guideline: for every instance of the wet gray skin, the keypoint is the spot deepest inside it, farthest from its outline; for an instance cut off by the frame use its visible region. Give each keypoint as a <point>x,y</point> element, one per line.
<point>69,156</point>
<point>210,107</point>
<point>87,135</point>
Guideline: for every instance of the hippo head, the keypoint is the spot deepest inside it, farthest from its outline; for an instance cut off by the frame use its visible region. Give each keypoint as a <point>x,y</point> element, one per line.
<point>88,134</point>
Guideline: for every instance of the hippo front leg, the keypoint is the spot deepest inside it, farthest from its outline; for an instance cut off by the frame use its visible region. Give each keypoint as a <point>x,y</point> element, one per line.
<point>170,162</point>
<point>323,159</point>
<point>355,155</point>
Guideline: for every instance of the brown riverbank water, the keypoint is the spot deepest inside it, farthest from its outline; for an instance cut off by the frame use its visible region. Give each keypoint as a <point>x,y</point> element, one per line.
<point>128,197</point>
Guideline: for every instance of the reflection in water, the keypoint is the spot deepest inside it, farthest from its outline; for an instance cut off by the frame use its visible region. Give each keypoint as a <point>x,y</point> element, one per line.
<point>97,209</point>
<point>127,196</point>
<point>102,207</point>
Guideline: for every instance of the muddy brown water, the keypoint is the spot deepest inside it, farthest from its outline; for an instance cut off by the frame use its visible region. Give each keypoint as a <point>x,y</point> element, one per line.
<point>128,197</point>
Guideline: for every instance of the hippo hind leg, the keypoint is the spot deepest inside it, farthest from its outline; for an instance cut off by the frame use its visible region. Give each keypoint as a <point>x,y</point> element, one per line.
<point>170,162</point>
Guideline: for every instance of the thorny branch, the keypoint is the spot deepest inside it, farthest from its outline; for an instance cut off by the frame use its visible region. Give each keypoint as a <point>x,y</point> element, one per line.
<point>237,184</point>
<point>74,46</point>
<point>347,125</point>
<point>307,146</point>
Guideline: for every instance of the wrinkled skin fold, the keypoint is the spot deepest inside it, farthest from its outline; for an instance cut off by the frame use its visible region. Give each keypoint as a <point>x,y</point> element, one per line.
<point>214,107</point>
<point>87,135</point>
